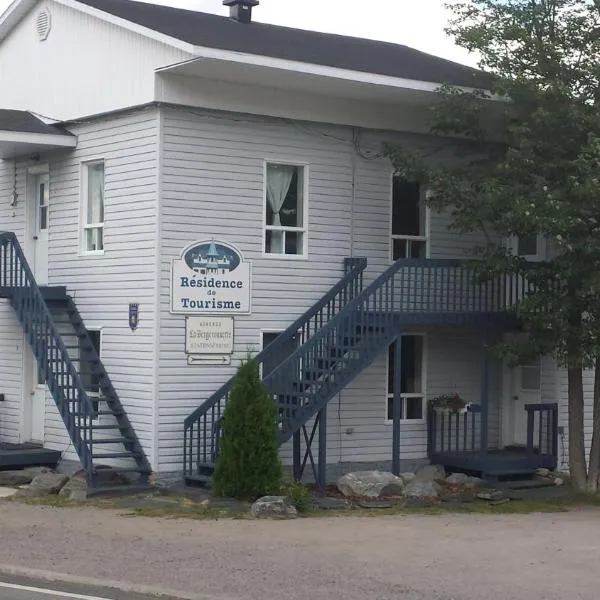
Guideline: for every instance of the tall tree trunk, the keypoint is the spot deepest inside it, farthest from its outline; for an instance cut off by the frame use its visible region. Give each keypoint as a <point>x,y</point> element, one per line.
<point>577,466</point>
<point>594,463</point>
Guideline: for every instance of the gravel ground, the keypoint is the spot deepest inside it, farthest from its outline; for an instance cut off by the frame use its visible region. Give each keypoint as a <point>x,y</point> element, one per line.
<point>458,557</point>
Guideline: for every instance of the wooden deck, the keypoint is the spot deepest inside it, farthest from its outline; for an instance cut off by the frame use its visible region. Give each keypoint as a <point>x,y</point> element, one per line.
<point>14,456</point>
<point>494,464</point>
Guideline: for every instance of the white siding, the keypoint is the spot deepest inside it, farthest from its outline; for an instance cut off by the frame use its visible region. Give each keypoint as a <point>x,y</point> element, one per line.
<point>11,334</point>
<point>103,286</point>
<point>212,185</point>
<point>86,66</point>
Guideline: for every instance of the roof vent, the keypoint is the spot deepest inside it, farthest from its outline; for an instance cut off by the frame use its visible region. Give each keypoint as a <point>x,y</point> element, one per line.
<point>43,24</point>
<point>241,10</point>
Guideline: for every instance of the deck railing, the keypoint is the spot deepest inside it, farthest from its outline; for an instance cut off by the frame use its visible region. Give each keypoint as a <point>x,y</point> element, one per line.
<point>454,432</point>
<point>454,287</point>
<point>542,429</point>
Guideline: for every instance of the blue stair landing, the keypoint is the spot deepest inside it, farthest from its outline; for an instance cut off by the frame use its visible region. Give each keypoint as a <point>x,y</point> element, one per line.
<point>84,395</point>
<point>341,335</point>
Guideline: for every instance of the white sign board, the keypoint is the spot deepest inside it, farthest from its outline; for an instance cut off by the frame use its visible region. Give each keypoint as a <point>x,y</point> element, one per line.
<point>210,278</point>
<point>209,335</point>
<point>208,359</point>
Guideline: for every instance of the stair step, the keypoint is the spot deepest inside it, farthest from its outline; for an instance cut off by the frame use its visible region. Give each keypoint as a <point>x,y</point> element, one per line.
<point>114,455</point>
<point>113,441</point>
<point>102,413</point>
<point>197,480</point>
<point>106,427</point>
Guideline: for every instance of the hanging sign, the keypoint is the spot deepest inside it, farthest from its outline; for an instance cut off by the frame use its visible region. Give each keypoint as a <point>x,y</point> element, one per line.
<point>208,335</point>
<point>210,278</point>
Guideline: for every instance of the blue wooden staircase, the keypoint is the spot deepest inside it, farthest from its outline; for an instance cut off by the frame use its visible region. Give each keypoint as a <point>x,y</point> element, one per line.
<point>89,405</point>
<point>339,337</point>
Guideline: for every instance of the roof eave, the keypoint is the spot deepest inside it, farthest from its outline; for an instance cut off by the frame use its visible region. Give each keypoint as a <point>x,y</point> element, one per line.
<point>14,144</point>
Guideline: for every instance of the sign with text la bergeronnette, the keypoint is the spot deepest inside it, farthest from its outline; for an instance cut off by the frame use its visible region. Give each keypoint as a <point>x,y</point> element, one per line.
<point>208,335</point>
<point>210,278</point>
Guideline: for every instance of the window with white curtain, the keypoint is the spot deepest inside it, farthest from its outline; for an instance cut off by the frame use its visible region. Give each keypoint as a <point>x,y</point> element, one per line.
<point>93,207</point>
<point>285,210</point>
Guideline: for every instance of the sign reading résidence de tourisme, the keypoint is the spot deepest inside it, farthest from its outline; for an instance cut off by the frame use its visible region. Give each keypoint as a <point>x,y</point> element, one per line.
<point>210,278</point>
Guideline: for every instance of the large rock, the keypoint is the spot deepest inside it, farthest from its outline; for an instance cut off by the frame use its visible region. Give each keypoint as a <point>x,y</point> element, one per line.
<point>44,484</point>
<point>370,484</point>
<point>422,489</point>
<point>77,483</point>
<point>430,473</point>
<point>274,507</point>
<point>14,478</point>
<point>407,477</point>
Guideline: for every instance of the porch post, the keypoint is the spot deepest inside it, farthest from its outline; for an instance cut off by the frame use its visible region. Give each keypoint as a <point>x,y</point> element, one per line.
<point>322,468</point>
<point>484,394</point>
<point>397,406</point>
<point>297,456</point>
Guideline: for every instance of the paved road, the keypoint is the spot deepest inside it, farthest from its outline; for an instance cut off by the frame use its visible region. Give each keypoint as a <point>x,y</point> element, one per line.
<point>20,588</point>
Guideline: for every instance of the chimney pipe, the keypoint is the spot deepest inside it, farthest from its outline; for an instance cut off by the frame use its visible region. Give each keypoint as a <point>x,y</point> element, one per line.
<point>241,10</point>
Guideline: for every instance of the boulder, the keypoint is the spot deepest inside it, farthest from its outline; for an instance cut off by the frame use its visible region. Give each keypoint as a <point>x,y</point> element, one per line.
<point>457,479</point>
<point>422,489</point>
<point>407,477</point>
<point>14,478</point>
<point>77,483</point>
<point>370,484</point>
<point>464,480</point>
<point>274,507</point>
<point>7,492</point>
<point>430,473</point>
<point>541,472</point>
<point>44,484</point>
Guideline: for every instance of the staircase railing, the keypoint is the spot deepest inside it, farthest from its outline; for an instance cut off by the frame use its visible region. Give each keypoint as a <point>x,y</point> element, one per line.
<point>200,428</point>
<point>54,363</point>
<point>451,432</point>
<point>542,430</point>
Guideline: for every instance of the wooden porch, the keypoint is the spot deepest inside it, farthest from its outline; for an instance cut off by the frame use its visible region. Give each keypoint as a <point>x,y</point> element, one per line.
<point>459,442</point>
<point>14,456</point>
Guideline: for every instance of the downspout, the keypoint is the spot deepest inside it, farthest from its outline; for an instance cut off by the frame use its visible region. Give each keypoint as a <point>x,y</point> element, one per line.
<point>353,201</point>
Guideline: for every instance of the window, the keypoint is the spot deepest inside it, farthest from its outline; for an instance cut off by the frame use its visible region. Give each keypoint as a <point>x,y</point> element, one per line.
<point>412,385</point>
<point>285,210</point>
<point>531,376</point>
<point>286,350</point>
<point>93,207</point>
<point>43,203</point>
<point>409,235</point>
<point>90,380</point>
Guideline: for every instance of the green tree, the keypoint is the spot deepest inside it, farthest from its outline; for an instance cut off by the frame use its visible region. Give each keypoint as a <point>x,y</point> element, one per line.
<point>527,163</point>
<point>248,465</point>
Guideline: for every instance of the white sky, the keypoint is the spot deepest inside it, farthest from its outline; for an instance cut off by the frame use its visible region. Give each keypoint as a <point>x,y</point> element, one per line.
<point>416,23</point>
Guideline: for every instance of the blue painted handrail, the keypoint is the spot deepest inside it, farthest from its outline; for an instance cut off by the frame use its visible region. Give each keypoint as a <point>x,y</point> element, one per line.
<point>542,429</point>
<point>454,432</point>
<point>201,427</point>
<point>54,363</point>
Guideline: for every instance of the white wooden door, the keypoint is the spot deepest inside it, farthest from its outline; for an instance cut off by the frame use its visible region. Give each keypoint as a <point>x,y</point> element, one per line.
<point>39,204</point>
<point>526,389</point>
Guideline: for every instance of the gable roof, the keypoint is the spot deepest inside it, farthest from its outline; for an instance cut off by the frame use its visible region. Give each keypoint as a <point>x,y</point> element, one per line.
<point>343,52</point>
<point>25,122</point>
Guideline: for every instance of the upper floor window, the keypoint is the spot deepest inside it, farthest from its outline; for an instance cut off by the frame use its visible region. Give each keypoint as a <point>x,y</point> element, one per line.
<point>93,207</point>
<point>285,210</point>
<point>409,222</point>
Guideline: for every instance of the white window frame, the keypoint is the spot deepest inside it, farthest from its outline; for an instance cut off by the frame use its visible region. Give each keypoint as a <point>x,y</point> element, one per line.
<point>84,226</point>
<point>404,397</point>
<point>409,238</point>
<point>305,200</point>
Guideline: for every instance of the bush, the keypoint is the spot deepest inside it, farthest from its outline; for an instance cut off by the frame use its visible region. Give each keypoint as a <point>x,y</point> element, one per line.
<point>248,464</point>
<point>297,492</point>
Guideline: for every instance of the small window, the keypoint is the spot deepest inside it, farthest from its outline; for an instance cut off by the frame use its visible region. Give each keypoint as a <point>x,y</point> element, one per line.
<point>285,206</point>
<point>43,203</point>
<point>286,350</point>
<point>93,207</point>
<point>531,376</point>
<point>409,235</point>
<point>90,379</point>
<point>412,407</point>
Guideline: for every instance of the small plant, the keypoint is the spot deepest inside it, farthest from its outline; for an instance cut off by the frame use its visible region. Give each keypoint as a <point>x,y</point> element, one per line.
<point>452,402</point>
<point>248,465</point>
<point>297,492</point>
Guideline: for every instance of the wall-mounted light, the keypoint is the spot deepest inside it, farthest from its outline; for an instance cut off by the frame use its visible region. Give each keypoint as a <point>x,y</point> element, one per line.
<point>15,195</point>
